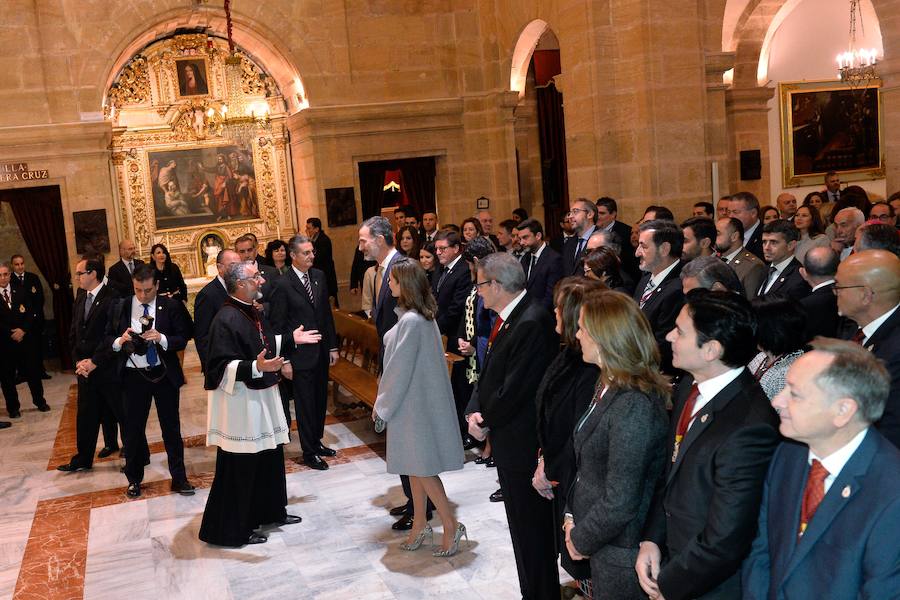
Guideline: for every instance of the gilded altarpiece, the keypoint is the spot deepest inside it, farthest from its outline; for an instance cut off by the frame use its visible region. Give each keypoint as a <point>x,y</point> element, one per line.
<point>180,173</point>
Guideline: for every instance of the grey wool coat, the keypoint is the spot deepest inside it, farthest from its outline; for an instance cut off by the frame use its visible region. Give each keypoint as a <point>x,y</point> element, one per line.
<point>416,401</point>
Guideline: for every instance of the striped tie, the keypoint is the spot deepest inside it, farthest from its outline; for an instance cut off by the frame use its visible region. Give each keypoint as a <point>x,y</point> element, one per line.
<point>305,279</point>
<point>648,291</point>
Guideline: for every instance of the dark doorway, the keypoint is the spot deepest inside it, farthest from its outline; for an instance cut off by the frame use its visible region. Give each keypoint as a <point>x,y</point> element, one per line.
<point>38,212</point>
<point>415,177</point>
<point>552,136</point>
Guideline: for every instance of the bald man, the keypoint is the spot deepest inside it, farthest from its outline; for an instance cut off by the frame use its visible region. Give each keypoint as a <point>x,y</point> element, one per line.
<point>846,222</point>
<point>119,275</point>
<point>787,205</point>
<point>868,292</point>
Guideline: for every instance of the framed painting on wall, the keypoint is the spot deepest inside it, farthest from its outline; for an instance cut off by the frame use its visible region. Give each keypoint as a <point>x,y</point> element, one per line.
<point>91,233</point>
<point>208,247</point>
<point>201,186</point>
<point>829,126</point>
<point>340,205</point>
<point>193,79</point>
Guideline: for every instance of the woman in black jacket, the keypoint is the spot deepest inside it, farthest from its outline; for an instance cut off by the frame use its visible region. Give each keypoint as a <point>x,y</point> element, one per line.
<point>167,274</point>
<point>562,397</point>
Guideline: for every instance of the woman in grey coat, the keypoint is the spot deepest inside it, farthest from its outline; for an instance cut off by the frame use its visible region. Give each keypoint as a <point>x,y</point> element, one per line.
<point>619,444</point>
<point>415,400</point>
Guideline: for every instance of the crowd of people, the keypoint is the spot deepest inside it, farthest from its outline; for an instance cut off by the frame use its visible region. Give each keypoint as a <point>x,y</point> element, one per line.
<point>705,409</point>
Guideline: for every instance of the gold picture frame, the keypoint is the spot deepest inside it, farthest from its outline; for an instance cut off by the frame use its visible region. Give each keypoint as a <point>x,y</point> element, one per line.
<point>192,76</point>
<point>829,126</point>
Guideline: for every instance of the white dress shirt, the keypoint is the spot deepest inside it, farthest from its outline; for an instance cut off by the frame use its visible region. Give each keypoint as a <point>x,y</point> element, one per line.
<point>835,462</point>
<point>748,233</point>
<point>137,311</point>
<point>872,327</point>
<point>711,387</point>
<point>773,277</point>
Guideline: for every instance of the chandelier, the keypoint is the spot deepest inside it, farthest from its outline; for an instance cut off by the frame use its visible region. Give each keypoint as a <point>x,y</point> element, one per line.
<point>237,119</point>
<point>857,65</point>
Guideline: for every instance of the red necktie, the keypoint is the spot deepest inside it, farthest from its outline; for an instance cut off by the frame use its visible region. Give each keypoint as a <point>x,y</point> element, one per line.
<point>685,418</point>
<point>813,494</point>
<point>494,331</point>
<point>858,337</point>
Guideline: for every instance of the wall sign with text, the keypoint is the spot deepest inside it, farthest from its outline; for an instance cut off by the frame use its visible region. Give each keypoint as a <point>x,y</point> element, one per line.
<point>19,172</point>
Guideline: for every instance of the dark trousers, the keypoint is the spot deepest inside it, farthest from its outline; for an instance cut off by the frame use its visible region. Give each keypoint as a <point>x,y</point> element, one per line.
<point>530,520</point>
<point>462,393</point>
<point>109,422</point>
<point>22,357</point>
<point>310,402</point>
<point>248,490</point>
<point>94,398</point>
<point>407,491</point>
<point>136,395</point>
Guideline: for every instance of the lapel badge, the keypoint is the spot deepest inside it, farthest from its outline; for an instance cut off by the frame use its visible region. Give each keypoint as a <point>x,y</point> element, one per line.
<point>704,418</point>
<point>33,290</point>
<point>846,491</point>
<point>21,308</point>
<point>781,280</point>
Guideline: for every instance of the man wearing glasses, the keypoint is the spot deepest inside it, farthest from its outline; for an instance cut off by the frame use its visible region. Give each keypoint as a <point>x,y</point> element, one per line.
<point>583,217</point>
<point>867,286</point>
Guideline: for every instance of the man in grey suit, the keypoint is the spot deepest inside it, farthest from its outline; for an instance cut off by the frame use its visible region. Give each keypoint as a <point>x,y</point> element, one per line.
<point>749,268</point>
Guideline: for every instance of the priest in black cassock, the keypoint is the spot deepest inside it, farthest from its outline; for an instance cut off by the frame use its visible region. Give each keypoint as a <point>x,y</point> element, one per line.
<point>245,417</point>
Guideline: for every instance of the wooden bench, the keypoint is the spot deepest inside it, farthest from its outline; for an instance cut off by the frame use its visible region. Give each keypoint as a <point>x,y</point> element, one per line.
<point>357,367</point>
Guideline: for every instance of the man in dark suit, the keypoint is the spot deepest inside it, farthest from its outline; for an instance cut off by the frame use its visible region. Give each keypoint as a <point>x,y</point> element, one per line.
<point>659,292</point>
<point>376,243</point>
<point>830,515</point>
<point>582,216</point>
<point>744,206</point>
<point>721,437</point>
<point>832,191</point>
<point>30,283</point>
<point>147,365</point>
<point>521,346</point>
<point>20,346</point>
<point>324,255</point>
<point>868,292</point>
<point>208,302</point>
<point>780,239</point>
<point>819,268</point>
<point>452,287</point>
<point>246,246</point>
<point>730,243</point>
<point>607,213</point>
<point>300,299</point>
<point>541,263</point>
<point>94,363</point>
<point>119,275</point>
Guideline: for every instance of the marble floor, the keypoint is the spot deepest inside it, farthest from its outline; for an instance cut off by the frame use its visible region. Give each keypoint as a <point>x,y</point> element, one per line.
<point>77,536</point>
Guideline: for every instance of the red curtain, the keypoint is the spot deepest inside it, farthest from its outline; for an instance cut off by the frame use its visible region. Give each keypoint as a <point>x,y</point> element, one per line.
<point>38,211</point>
<point>416,178</point>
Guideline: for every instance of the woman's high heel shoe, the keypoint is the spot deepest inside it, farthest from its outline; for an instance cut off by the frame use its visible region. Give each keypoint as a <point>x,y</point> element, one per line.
<point>417,543</point>
<point>454,547</point>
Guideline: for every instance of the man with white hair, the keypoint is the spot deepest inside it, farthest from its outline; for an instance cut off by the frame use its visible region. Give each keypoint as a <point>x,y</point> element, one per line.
<point>830,515</point>
<point>787,205</point>
<point>846,222</point>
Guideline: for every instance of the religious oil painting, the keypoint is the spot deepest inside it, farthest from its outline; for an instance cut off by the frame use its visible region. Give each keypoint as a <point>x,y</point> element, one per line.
<point>202,186</point>
<point>340,206</point>
<point>192,77</point>
<point>209,246</point>
<point>829,126</point>
<point>91,233</point>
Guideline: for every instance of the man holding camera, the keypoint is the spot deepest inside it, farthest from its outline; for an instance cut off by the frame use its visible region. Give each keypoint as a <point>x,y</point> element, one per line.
<point>146,331</point>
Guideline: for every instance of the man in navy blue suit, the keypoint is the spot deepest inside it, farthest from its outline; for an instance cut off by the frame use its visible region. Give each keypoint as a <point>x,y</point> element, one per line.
<point>830,515</point>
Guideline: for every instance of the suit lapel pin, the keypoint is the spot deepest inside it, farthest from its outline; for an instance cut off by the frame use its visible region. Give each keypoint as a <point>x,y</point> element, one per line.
<point>33,290</point>
<point>21,308</point>
<point>846,491</point>
<point>704,418</point>
<point>781,280</point>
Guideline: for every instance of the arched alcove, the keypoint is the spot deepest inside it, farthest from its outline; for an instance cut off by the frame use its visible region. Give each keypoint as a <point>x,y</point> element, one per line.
<point>521,59</point>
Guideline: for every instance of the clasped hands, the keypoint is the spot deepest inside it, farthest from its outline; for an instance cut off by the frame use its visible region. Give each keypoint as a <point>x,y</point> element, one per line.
<point>475,421</point>
<point>151,335</point>
<point>84,367</point>
<point>465,348</point>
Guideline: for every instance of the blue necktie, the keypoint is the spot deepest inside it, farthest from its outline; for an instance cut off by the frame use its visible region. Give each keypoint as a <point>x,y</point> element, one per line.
<point>152,358</point>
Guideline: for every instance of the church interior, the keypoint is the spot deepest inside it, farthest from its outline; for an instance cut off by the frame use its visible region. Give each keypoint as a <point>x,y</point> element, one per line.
<point>123,119</point>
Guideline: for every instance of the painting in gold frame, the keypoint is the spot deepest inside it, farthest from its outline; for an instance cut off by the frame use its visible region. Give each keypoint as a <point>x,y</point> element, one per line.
<point>827,126</point>
<point>193,77</point>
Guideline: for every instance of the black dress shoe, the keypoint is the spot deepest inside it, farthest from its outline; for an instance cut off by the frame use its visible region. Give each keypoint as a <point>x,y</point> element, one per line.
<point>71,467</point>
<point>134,490</point>
<point>256,538</point>
<point>489,462</point>
<point>183,487</point>
<point>15,414</point>
<point>5,424</point>
<point>469,442</point>
<point>325,451</point>
<point>290,520</point>
<point>43,407</point>
<point>497,496</point>
<point>481,460</point>
<point>315,462</point>
<point>398,510</point>
<point>106,451</point>
<point>404,524</point>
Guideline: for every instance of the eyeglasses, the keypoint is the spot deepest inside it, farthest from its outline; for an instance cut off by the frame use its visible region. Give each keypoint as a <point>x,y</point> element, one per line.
<point>478,285</point>
<point>256,277</point>
<point>572,211</point>
<point>441,249</point>
<point>837,288</point>
<point>80,273</point>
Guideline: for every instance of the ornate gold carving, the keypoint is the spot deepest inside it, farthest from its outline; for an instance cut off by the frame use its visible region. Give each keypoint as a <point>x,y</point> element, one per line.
<point>123,205</point>
<point>132,86</point>
<point>265,186</point>
<point>192,43</point>
<point>191,123</point>
<point>253,81</point>
<point>140,216</point>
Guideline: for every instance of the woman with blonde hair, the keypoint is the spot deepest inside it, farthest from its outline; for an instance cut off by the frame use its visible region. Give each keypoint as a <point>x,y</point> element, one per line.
<point>416,403</point>
<point>619,443</point>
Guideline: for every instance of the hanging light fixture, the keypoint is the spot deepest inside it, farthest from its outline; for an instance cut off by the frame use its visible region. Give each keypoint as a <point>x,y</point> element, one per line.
<point>237,119</point>
<point>857,65</point>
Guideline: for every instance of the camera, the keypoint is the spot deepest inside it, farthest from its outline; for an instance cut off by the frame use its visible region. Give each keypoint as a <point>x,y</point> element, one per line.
<point>138,345</point>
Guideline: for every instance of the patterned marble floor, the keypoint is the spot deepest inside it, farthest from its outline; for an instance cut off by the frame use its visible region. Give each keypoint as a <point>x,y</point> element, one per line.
<point>76,536</point>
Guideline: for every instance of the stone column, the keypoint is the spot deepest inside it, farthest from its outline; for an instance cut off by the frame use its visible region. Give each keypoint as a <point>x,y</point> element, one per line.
<point>748,129</point>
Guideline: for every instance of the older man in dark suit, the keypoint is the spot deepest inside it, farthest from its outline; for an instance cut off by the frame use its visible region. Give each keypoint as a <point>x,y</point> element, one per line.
<point>780,239</point>
<point>830,514</point>
<point>247,248</point>
<point>208,302</point>
<point>119,274</point>
<point>820,306</point>
<point>146,331</point>
<point>300,299</point>
<point>31,285</point>
<point>324,255</point>
<point>722,435</point>
<point>542,264</point>
<point>868,287</point>
<point>520,348</point>
<point>659,293</point>
<point>94,364</point>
